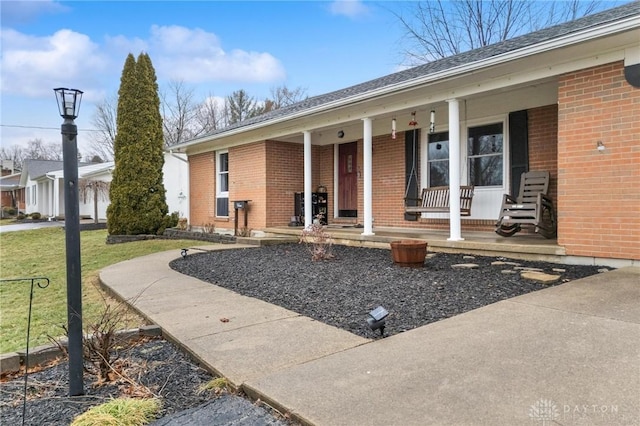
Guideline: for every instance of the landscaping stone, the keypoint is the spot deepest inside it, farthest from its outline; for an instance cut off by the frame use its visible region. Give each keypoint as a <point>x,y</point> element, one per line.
<point>528,268</point>
<point>465,266</point>
<point>9,362</point>
<point>504,263</point>
<point>540,277</point>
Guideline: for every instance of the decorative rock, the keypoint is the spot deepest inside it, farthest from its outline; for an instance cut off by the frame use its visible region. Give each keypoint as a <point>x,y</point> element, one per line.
<point>468,257</point>
<point>508,271</point>
<point>540,277</point>
<point>526,268</point>
<point>560,270</point>
<point>603,270</point>
<point>502,262</point>
<point>465,266</point>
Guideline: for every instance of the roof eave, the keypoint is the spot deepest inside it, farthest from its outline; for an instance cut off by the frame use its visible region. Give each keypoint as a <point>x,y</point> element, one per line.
<point>580,36</point>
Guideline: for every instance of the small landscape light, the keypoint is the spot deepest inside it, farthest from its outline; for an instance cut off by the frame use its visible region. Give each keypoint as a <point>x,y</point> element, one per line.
<point>377,319</point>
<point>183,253</point>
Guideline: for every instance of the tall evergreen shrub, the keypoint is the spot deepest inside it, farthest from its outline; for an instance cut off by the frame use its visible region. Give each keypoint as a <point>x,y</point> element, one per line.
<point>138,202</point>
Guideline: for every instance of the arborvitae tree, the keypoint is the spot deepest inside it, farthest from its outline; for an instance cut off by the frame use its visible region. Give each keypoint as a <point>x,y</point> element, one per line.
<point>138,204</point>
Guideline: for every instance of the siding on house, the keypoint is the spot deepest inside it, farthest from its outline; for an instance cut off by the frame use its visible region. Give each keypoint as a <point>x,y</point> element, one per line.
<point>598,192</point>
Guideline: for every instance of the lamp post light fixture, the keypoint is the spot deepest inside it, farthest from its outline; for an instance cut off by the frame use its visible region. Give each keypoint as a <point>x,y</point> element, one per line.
<point>69,106</point>
<point>376,320</point>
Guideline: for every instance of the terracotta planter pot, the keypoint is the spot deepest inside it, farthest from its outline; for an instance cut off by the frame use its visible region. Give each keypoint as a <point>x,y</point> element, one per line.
<point>409,253</point>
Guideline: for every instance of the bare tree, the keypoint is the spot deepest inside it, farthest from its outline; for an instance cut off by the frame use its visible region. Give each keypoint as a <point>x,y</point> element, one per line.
<point>437,29</point>
<point>212,114</point>
<point>13,153</point>
<point>282,96</point>
<point>178,113</point>
<point>99,189</point>
<point>104,120</point>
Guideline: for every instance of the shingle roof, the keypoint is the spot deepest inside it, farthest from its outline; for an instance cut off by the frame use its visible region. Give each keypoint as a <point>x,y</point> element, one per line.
<point>35,169</point>
<point>451,62</point>
<point>38,168</point>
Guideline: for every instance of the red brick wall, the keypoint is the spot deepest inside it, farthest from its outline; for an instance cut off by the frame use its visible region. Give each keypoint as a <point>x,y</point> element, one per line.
<point>543,144</point>
<point>388,181</point>
<point>598,192</point>
<point>248,181</point>
<point>285,177</point>
<point>202,172</point>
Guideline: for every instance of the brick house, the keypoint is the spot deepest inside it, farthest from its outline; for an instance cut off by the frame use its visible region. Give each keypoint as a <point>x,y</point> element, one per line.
<point>564,99</point>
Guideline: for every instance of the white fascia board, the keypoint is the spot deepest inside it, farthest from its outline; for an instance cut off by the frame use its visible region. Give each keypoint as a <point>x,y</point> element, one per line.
<point>585,35</point>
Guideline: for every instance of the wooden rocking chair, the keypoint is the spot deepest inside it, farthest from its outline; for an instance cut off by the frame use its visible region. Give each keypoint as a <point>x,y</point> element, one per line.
<point>532,207</point>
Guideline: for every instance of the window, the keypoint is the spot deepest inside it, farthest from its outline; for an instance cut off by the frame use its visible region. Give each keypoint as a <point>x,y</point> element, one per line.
<point>222,184</point>
<point>485,153</point>
<point>438,159</point>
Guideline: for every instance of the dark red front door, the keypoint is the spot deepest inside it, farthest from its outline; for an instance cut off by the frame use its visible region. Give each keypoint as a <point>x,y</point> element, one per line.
<point>348,180</point>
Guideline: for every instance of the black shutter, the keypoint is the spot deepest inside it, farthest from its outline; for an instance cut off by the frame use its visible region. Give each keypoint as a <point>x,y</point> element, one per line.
<point>519,148</point>
<point>411,164</point>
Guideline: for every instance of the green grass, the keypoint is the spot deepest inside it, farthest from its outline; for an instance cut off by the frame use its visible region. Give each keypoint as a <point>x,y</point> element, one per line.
<point>120,412</point>
<point>41,253</point>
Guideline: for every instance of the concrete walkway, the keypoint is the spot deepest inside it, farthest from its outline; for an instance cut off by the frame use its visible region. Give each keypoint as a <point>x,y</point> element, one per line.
<point>567,355</point>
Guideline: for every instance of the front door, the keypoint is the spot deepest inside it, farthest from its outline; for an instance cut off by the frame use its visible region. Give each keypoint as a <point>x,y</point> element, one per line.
<point>348,180</point>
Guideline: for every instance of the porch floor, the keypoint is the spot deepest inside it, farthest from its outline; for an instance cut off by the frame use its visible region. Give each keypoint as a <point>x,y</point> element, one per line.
<point>525,246</point>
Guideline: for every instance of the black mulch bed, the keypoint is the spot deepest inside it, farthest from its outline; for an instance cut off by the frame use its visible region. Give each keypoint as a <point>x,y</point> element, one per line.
<point>342,291</point>
<point>156,364</point>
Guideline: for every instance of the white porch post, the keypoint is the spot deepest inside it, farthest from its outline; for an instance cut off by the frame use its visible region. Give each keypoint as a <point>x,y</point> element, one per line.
<point>368,174</point>
<point>308,220</point>
<point>454,171</point>
<point>56,197</point>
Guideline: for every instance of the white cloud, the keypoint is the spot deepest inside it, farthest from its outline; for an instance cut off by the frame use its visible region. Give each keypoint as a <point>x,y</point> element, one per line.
<point>349,8</point>
<point>196,56</point>
<point>19,12</point>
<point>32,65</point>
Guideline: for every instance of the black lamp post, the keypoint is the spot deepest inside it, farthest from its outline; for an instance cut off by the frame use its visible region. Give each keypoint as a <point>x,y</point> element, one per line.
<point>69,105</point>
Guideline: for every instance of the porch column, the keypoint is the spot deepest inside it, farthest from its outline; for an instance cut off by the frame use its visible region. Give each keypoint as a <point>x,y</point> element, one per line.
<point>308,219</point>
<point>368,174</point>
<point>454,171</point>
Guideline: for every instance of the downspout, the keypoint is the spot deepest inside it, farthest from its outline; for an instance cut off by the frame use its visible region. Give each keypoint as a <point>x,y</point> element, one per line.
<point>178,157</point>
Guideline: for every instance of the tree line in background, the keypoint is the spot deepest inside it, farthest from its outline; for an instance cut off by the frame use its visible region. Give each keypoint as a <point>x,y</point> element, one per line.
<point>434,29</point>
<point>184,117</point>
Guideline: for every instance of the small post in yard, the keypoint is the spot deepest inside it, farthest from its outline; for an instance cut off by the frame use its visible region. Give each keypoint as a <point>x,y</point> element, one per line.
<point>69,105</point>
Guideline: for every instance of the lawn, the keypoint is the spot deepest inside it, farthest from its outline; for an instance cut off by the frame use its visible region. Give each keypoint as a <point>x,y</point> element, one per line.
<point>41,253</point>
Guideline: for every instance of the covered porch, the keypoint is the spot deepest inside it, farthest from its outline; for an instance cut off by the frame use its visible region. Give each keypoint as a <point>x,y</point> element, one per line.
<point>525,246</point>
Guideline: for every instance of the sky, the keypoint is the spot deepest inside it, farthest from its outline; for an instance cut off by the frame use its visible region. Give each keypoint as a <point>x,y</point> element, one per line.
<point>214,47</point>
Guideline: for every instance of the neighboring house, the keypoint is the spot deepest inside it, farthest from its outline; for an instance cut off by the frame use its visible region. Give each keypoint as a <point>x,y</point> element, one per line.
<point>43,181</point>
<point>176,182</point>
<point>12,193</point>
<point>36,184</point>
<point>52,199</point>
<point>564,99</point>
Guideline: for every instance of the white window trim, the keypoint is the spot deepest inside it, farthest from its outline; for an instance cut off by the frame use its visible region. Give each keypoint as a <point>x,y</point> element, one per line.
<point>219,193</point>
<point>464,138</point>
